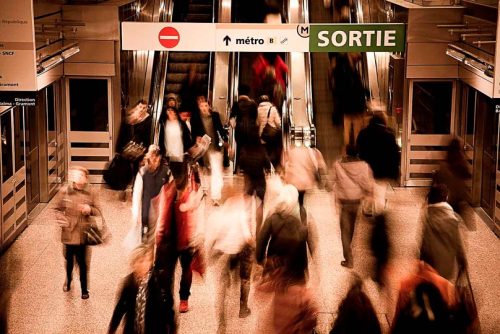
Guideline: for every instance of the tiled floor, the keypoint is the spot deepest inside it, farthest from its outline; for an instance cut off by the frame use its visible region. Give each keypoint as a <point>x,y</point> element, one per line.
<point>35,272</point>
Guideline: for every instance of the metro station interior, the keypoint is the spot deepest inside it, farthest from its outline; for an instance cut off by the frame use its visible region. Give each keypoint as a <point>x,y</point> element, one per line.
<point>444,86</point>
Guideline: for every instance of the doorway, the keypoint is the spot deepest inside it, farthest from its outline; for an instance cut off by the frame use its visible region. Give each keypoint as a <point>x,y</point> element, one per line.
<point>14,209</point>
<point>89,122</point>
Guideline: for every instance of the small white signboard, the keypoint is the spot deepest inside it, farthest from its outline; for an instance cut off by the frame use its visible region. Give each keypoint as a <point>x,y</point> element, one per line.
<point>260,38</point>
<point>168,36</point>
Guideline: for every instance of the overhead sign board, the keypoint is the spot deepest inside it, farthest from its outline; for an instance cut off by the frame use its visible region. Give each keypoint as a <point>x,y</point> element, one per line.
<point>168,36</point>
<point>259,38</point>
<point>357,38</point>
<point>17,46</point>
<point>242,37</point>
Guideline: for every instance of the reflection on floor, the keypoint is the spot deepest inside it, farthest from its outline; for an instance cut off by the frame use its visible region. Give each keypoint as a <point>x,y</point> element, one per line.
<point>35,272</point>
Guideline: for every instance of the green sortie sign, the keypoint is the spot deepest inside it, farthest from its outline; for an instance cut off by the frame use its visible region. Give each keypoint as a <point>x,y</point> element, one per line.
<point>357,37</point>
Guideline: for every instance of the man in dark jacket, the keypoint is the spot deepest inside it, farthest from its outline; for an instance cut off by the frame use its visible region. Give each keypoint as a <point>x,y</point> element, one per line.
<point>377,146</point>
<point>208,123</point>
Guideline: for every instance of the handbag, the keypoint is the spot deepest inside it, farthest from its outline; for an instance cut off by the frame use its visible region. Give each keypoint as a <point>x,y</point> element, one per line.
<point>465,312</point>
<point>119,173</point>
<point>270,134</point>
<point>94,235</point>
<point>133,151</point>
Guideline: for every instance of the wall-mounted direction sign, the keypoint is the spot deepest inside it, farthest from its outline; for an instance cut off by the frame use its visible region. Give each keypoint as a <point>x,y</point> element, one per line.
<point>241,37</point>
<point>17,46</point>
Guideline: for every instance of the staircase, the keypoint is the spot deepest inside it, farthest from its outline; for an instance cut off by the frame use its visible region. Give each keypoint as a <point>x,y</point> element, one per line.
<point>179,63</point>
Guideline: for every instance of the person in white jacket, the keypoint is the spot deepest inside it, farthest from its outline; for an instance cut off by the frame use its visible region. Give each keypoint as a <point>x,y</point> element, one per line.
<point>353,180</point>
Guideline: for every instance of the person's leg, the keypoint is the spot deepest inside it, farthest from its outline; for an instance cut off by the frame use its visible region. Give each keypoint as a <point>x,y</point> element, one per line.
<point>379,191</point>
<point>358,125</point>
<point>348,213</point>
<point>216,181</point>
<point>69,255</point>
<point>81,257</point>
<point>302,193</point>
<point>245,259</point>
<point>186,258</point>
<point>222,271</point>
<point>347,128</point>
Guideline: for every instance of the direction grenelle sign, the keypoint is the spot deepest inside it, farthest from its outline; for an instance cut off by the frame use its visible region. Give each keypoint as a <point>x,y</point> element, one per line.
<point>242,37</point>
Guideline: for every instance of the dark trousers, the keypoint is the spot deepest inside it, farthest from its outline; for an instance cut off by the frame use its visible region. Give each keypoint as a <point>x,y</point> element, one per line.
<point>255,183</point>
<point>166,262</point>
<point>179,172</point>
<point>80,252</point>
<point>348,214</point>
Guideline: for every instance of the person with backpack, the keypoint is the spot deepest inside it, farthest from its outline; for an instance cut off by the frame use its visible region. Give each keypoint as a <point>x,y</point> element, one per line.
<point>285,235</point>
<point>353,181</point>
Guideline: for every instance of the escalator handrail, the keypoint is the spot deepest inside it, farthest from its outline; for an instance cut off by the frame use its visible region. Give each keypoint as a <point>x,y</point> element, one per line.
<point>309,96</point>
<point>159,77</point>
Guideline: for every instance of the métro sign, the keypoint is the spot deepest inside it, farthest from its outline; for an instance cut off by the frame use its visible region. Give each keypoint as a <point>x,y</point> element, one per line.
<point>357,38</point>
<point>241,37</point>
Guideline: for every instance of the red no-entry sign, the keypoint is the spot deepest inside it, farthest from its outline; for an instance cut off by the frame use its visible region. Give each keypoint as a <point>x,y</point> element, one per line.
<point>169,37</point>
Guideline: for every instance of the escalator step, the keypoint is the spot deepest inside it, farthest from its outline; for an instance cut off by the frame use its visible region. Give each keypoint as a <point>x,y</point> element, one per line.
<point>199,18</point>
<point>176,88</point>
<point>202,2</point>
<point>173,88</point>
<point>180,77</point>
<point>184,67</point>
<point>189,57</point>
<point>200,9</point>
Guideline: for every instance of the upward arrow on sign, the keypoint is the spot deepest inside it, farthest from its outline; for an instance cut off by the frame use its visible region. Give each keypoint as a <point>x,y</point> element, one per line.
<point>227,39</point>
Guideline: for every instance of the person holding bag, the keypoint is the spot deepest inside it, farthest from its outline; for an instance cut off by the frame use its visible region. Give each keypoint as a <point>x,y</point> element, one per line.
<point>269,122</point>
<point>353,180</point>
<point>74,214</point>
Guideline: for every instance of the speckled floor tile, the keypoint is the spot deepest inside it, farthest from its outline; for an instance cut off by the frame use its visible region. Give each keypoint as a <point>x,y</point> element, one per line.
<point>34,266</point>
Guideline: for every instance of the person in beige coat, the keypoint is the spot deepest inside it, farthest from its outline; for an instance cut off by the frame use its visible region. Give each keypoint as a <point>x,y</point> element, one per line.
<point>353,180</point>
<point>73,214</point>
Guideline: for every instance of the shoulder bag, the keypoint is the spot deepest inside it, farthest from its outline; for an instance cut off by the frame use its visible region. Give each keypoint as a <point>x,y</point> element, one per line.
<point>270,134</point>
<point>93,234</point>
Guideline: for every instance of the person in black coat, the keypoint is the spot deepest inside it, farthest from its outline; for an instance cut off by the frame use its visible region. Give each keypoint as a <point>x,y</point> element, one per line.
<point>378,147</point>
<point>208,122</point>
<point>158,317</point>
<point>174,141</point>
<point>136,127</point>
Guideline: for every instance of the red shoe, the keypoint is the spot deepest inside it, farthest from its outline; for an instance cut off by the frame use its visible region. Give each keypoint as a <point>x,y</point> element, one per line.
<point>183,306</point>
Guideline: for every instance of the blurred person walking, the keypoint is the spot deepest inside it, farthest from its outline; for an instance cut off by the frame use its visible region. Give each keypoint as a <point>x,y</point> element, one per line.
<point>353,182</point>
<point>348,92</point>
<point>174,140</point>
<point>208,123</point>
<point>356,313</point>
<point>73,214</point>
<point>134,137</point>
<point>268,116</point>
<point>377,146</point>
<point>454,172</point>
<point>305,169</point>
<point>284,238</point>
<point>442,246</point>
<point>287,234</point>
<point>139,298</point>
<point>231,243</point>
<point>148,183</point>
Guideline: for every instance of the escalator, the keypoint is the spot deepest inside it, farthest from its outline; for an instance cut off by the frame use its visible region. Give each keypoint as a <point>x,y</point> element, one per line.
<point>180,63</point>
<point>329,137</point>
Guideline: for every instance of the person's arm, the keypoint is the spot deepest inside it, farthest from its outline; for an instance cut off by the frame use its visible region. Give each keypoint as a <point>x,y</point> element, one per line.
<point>263,240</point>
<point>277,118</point>
<point>218,126</point>
<point>137,199</point>
<point>120,308</point>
